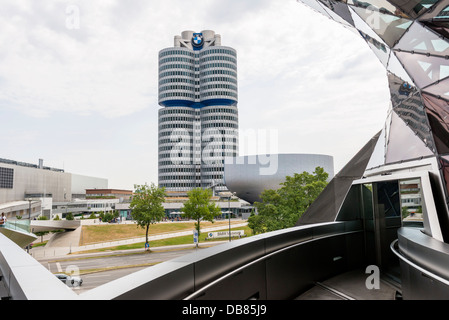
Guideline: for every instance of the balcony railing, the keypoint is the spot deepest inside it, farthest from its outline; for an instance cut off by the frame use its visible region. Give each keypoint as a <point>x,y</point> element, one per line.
<point>19,225</point>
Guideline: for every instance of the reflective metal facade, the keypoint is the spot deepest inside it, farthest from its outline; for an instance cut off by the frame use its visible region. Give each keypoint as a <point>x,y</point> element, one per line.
<point>249,176</point>
<point>410,38</point>
<point>198,121</point>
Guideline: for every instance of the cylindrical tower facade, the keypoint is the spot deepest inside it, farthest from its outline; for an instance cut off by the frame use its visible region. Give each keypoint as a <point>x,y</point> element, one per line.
<point>198,122</point>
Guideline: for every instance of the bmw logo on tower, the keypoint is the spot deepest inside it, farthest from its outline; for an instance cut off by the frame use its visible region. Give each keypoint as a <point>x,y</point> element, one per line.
<point>197,40</point>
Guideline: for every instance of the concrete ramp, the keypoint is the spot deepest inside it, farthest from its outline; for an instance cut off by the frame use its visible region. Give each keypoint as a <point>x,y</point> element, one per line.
<point>69,238</point>
<point>51,225</point>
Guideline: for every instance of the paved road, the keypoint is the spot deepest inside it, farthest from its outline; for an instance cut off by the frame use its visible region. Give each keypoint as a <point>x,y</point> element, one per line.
<point>121,262</point>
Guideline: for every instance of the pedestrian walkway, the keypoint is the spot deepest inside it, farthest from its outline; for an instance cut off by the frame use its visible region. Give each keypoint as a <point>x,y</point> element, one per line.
<point>57,252</point>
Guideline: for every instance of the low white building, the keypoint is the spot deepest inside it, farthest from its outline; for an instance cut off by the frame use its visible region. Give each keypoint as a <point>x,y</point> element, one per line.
<point>22,184</point>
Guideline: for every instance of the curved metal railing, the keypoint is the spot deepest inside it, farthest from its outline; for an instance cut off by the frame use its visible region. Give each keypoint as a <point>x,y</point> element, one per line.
<point>415,266</point>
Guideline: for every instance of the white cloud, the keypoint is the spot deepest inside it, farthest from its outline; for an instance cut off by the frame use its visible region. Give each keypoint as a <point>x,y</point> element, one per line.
<point>300,73</point>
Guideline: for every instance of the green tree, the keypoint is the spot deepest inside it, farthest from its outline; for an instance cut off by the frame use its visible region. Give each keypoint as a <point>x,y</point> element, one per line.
<point>283,207</point>
<point>146,205</point>
<point>199,207</point>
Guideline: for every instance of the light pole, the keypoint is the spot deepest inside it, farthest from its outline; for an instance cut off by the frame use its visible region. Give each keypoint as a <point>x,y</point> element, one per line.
<point>29,218</point>
<point>29,210</point>
<point>229,214</point>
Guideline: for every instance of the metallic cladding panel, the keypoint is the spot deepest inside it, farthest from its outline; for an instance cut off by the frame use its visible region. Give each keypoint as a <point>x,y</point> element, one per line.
<point>248,176</point>
<point>429,254</point>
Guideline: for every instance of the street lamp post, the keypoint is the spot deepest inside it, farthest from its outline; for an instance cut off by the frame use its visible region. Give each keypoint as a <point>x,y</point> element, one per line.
<point>29,218</point>
<point>29,209</point>
<point>229,213</point>
<point>229,216</point>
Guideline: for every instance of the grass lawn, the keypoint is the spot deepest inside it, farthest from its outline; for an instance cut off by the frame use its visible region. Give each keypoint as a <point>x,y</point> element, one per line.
<point>169,241</point>
<point>111,232</point>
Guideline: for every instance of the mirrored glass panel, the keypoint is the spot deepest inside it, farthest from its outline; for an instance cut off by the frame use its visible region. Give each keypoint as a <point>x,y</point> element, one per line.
<point>424,69</point>
<point>383,6</point>
<point>441,28</point>
<point>380,49</point>
<point>438,114</point>
<point>396,67</point>
<point>421,39</point>
<point>400,90</point>
<point>414,8</point>
<point>338,11</point>
<point>389,27</point>
<point>411,203</point>
<point>443,15</point>
<point>412,112</point>
<point>402,143</point>
<point>440,89</point>
<point>362,26</point>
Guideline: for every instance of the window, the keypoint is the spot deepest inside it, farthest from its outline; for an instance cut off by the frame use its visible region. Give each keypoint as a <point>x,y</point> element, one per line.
<point>6,178</point>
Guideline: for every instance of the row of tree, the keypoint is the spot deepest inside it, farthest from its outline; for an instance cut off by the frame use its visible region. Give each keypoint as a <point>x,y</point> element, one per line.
<point>147,208</point>
<point>279,208</point>
<point>283,207</point>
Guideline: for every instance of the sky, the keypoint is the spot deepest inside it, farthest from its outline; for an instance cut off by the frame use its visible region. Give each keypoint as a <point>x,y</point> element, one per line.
<point>79,81</point>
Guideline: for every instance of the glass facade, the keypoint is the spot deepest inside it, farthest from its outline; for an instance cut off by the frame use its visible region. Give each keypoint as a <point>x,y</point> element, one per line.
<point>410,38</point>
<point>198,121</point>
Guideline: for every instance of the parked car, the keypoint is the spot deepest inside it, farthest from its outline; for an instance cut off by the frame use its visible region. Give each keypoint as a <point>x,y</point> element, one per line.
<point>71,281</point>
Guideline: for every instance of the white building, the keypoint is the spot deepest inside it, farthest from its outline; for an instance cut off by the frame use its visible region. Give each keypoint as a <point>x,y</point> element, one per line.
<point>23,185</point>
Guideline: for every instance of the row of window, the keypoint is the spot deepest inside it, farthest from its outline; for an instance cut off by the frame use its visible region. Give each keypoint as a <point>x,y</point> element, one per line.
<point>218,72</point>
<point>220,117</point>
<point>218,65</point>
<point>176,87</point>
<point>176,66</point>
<point>191,170</point>
<point>172,94</point>
<point>168,133</point>
<point>172,51</point>
<point>176,73</point>
<point>203,60</point>
<point>187,177</point>
<point>191,111</point>
<point>176,138</point>
<point>219,110</point>
<point>176,59</point>
<point>215,50</point>
<point>220,125</point>
<point>178,80</point>
<point>175,118</point>
<point>219,79</point>
<point>165,111</point>
<point>220,93</point>
<point>178,185</point>
<point>205,87</point>
<point>176,125</point>
<point>202,53</point>
<point>189,162</point>
<point>187,149</point>
<point>218,86</point>
<point>218,58</point>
